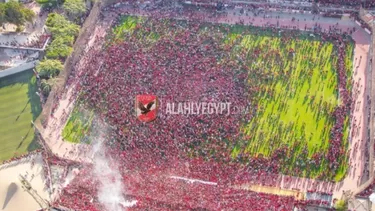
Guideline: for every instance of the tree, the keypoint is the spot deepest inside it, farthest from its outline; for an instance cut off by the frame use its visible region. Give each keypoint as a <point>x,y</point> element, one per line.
<point>49,68</point>
<point>46,87</point>
<point>17,14</point>
<point>341,205</point>
<point>69,30</point>
<point>55,20</point>
<point>63,32</point>
<point>28,14</point>
<point>60,48</point>
<point>74,8</point>
<point>48,3</point>
<point>59,26</point>
<point>3,18</point>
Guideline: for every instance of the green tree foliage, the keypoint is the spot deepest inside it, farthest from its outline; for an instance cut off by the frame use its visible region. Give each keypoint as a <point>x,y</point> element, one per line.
<point>49,68</point>
<point>2,14</point>
<point>59,26</point>
<point>46,87</point>
<point>341,205</point>
<point>74,8</point>
<point>55,20</point>
<point>15,13</point>
<point>48,3</point>
<point>60,48</point>
<point>63,33</point>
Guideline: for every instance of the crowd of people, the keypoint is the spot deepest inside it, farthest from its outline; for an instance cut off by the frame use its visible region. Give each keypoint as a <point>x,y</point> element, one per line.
<point>168,75</point>
<point>36,41</point>
<point>368,191</point>
<point>336,151</point>
<point>356,4</point>
<point>156,189</point>
<point>183,68</point>
<point>14,160</point>
<point>154,192</point>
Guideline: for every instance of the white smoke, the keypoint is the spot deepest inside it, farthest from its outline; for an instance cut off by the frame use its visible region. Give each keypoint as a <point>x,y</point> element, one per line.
<point>71,175</point>
<point>110,190</point>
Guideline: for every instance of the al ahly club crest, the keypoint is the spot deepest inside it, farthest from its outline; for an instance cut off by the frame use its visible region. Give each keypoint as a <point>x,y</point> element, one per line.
<point>146,107</point>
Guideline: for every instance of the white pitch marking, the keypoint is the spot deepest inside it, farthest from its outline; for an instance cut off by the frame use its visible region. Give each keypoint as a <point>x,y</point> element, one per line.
<point>194,180</point>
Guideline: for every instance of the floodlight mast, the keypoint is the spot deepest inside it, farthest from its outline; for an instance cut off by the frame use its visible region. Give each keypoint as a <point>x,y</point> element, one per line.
<point>27,187</point>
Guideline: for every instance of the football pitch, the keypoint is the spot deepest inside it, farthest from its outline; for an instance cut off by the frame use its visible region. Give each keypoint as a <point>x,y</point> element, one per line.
<point>291,87</point>
<point>19,105</point>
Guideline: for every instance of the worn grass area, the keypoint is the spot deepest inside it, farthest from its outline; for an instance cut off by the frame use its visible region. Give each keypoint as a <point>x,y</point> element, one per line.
<point>295,108</point>
<point>78,126</point>
<point>296,98</point>
<point>128,25</point>
<point>19,105</point>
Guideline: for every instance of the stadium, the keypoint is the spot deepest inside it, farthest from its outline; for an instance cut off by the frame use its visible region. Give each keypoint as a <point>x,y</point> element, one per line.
<point>208,105</point>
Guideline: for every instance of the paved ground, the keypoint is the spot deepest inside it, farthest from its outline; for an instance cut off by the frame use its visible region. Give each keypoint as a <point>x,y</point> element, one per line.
<point>12,58</point>
<point>295,4</point>
<point>301,20</point>
<point>53,133</point>
<point>21,200</point>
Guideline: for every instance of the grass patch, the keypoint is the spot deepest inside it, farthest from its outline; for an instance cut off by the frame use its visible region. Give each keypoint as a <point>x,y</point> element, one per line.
<point>19,105</point>
<point>78,126</point>
<point>127,25</point>
<point>295,104</point>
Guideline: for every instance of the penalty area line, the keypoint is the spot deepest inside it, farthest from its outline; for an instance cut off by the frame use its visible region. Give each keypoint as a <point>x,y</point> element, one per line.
<point>193,180</point>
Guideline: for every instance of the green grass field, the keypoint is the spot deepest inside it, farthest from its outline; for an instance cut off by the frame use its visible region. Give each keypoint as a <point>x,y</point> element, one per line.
<point>19,105</point>
<point>78,126</point>
<point>296,104</point>
<point>296,99</point>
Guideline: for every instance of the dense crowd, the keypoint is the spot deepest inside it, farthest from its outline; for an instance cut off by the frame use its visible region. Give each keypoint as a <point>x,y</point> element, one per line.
<point>156,191</point>
<point>368,191</point>
<point>192,74</point>
<point>18,157</point>
<point>336,150</point>
<point>153,187</point>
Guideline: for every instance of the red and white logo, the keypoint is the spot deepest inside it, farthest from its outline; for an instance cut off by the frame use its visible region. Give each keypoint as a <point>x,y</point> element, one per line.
<point>146,107</point>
